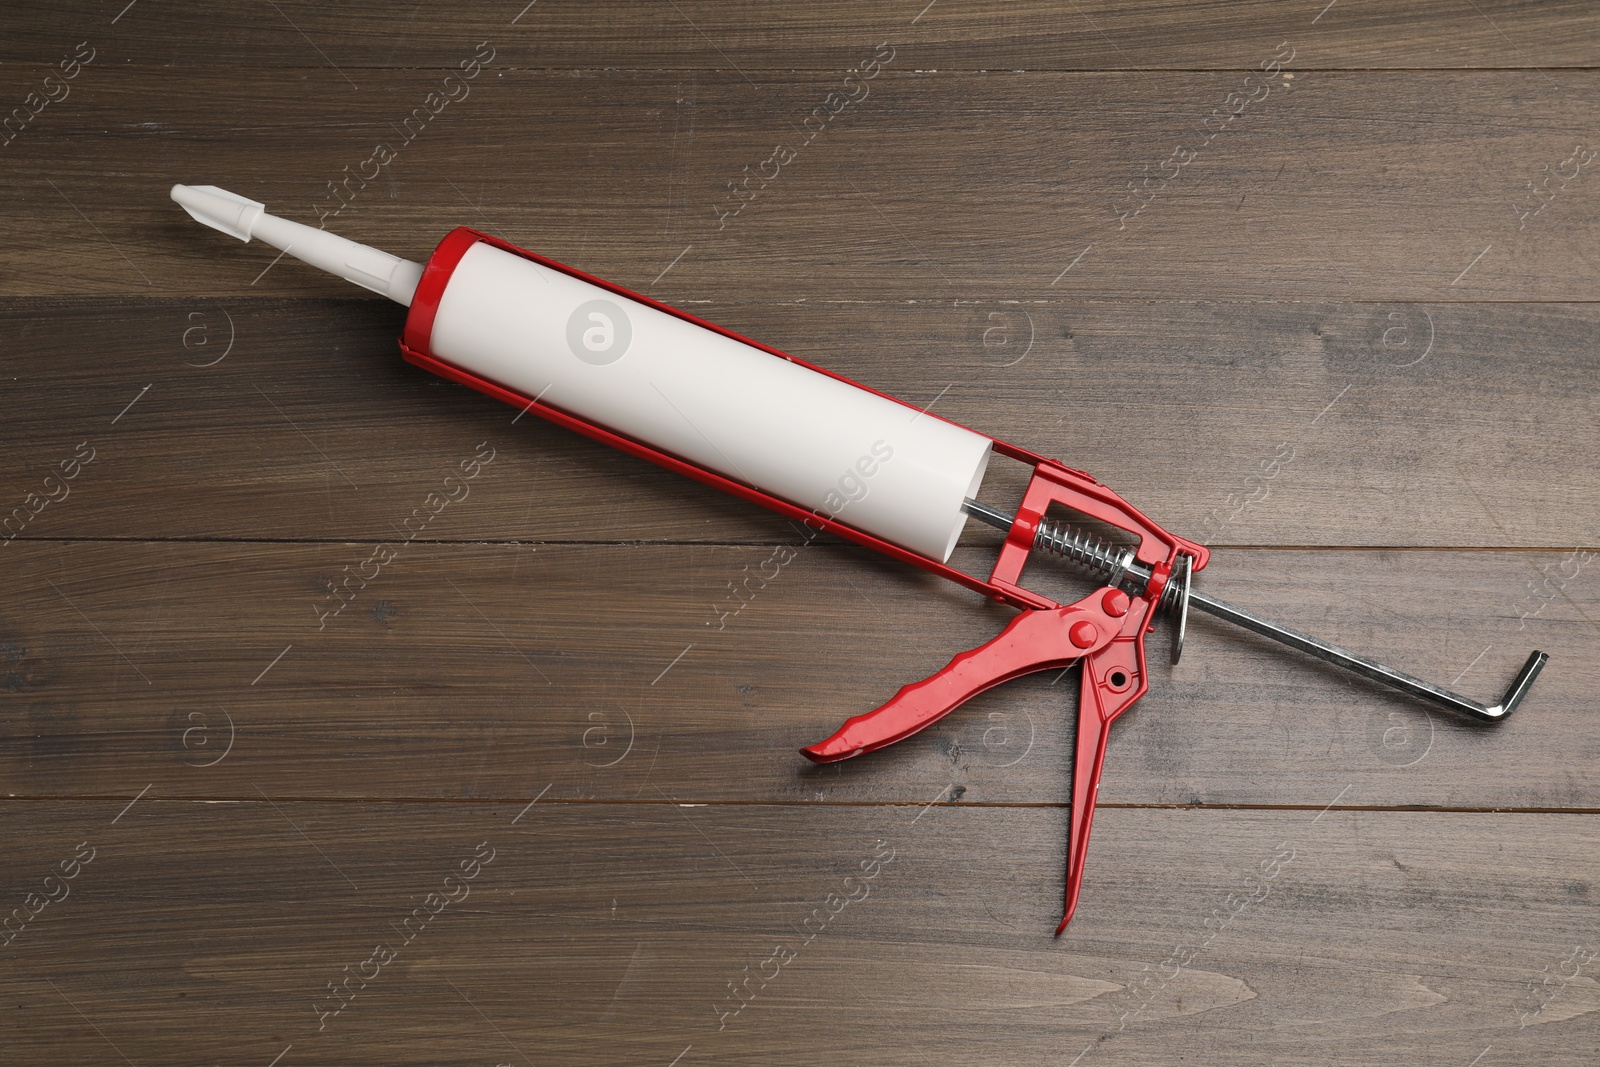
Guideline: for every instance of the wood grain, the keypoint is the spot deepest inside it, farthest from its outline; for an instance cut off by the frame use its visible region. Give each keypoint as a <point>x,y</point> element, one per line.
<point>610,933</point>
<point>1329,190</point>
<point>621,671</point>
<point>311,427</point>
<point>821,34</point>
<point>1376,281</point>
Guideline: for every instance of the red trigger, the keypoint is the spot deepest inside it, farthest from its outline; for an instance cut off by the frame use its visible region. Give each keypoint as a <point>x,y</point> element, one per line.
<point>1113,681</point>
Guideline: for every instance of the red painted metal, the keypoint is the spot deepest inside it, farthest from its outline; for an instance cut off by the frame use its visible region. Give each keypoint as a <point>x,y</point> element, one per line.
<point>1032,641</point>
<point>1045,635</point>
<point>1113,681</point>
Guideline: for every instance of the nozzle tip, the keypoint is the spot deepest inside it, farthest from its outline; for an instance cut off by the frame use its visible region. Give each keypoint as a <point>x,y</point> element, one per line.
<point>230,213</point>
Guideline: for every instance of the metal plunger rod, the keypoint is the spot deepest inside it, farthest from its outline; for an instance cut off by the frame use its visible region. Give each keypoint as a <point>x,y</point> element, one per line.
<point>1117,562</point>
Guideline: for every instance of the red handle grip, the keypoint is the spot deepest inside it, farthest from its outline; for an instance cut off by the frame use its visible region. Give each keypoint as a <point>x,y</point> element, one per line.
<point>1033,641</point>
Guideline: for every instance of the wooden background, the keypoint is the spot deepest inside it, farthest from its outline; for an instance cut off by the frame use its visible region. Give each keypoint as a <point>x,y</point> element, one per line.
<point>1289,866</point>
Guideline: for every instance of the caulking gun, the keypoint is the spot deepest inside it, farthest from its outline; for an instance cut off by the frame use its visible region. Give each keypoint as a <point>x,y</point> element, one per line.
<point>843,458</point>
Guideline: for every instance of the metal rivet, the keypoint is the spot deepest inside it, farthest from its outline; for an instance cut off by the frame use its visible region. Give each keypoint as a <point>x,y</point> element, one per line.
<point>1084,633</point>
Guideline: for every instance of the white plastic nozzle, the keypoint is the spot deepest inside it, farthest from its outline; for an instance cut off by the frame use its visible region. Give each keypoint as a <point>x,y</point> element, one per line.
<point>219,209</point>
<point>364,265</point>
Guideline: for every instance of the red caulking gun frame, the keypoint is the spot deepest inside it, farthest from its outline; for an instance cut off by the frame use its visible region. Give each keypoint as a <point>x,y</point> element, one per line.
<point>697,399</point>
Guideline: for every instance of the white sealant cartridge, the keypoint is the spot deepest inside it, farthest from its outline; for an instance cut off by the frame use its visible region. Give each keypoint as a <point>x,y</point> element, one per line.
<point>543,332</point>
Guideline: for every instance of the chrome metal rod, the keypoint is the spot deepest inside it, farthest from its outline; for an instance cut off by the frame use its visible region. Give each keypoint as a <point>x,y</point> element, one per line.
<point>1109,561</point>
<point>993,516</point>
<point>1388,676</point>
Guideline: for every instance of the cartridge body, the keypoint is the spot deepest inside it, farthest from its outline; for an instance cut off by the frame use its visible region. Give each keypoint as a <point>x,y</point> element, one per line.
<point>661,377</point>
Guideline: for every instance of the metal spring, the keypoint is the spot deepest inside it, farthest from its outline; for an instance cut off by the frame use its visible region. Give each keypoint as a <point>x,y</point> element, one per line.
<point>1106,559</point>
<point>1083,548</point>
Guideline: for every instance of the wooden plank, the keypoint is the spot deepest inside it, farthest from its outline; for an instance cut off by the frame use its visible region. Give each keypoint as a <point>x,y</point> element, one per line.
<point>825,34</point>
<point>626,672</point>
<point>310,426</point>
<point>209,933</point>
<point>1351,187</point>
